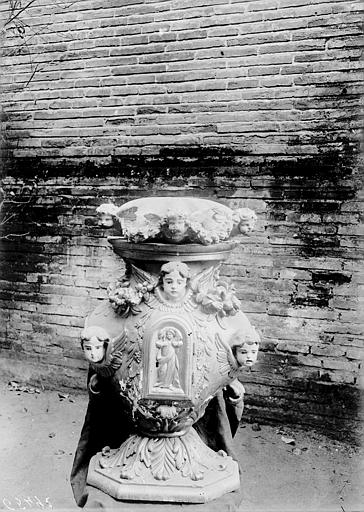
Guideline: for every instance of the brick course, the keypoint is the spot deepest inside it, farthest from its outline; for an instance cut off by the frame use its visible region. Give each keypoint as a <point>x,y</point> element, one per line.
<point>249,103</point>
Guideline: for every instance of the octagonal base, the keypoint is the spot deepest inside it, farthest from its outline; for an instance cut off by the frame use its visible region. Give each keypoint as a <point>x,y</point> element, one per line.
<point>182,470</point>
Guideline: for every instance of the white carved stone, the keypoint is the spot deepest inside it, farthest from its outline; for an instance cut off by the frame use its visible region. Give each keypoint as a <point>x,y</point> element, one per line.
<point>177,469</point>
<point>178,220</point>
<point>171,335</point>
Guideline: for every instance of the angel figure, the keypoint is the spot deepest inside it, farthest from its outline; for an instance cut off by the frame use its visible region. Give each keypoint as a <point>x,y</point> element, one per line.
<point>242,351</point>
<point>104,354</point>
<point>169,339</point>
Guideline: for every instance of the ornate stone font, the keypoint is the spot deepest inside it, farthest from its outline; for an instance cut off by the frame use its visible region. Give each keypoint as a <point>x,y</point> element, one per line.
<point>169,337</point>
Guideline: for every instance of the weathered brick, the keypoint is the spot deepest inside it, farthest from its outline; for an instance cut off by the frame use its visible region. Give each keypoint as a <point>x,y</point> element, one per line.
<point>355,353</point>
<point>252,103</point>
<point>339,364</point>
<point>328,350</point>
<point>294,348</point>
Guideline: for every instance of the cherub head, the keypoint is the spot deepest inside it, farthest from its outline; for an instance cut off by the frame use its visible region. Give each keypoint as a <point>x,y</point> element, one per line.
<point>167,333</point>
<point>244,220</point>
<point>175,226</point>
<point>94,341</point>
<point>170,334</point>
<point>174,278</point>
<point>245,347</point>
<point>106,213</point>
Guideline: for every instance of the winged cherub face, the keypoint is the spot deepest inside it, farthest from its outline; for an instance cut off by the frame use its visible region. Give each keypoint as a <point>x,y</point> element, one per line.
<point>94,350</point>
<point>93,342</point>
<point>246,354</point>
<point>176,227</point>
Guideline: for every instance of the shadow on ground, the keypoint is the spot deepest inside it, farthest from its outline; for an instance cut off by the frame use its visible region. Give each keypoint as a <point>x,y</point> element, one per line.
<point>39,432</point>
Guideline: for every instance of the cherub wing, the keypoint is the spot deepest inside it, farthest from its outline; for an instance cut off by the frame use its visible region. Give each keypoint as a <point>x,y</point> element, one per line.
<point>199,216</point>
<point>204,280</point>
<point>113,357</point>
<point>153,218</point>
<point>129,214</point>
<point>141,276</point>
<point>118,348</point>
<point>130,363</point>
<point>224,356</point>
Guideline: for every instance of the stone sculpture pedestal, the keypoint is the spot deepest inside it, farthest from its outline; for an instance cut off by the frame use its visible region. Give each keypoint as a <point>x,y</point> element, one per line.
<point>203,474</point>
<point>170,337</point>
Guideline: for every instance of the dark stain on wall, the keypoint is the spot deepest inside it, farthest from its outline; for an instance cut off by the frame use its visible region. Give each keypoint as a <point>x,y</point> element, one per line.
<point>320,290</point>
<point>303,198</point>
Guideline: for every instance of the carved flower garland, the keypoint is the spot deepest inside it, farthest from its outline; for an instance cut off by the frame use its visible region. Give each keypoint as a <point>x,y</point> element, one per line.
<point>124,298</point>
<point>220,300</point>
<point>141,230</point>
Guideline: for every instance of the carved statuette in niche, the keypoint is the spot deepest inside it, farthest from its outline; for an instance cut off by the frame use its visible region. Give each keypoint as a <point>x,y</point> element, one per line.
<point>170,337</point>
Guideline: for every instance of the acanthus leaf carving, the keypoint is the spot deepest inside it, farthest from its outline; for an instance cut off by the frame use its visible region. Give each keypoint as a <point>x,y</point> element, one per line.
<point>190,466</point>
<point>164,457</point>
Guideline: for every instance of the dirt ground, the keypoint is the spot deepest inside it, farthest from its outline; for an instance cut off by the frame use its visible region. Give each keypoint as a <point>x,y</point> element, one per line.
<point>39,432</point>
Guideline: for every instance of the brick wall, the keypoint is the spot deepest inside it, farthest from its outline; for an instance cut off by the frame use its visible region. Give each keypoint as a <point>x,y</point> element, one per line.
<point>249,103</point>
<point>128,76</point>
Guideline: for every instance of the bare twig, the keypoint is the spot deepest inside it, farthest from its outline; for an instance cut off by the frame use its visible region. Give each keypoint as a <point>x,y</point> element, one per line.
<point>17,11</point>
<point>16,26</point>
<point>12,235</point>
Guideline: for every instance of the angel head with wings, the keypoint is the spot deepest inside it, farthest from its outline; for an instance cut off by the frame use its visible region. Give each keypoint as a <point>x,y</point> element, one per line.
<point>245,347</point>
<point>107,214</point>
<point>175,227</point>
<point>244,221</point>
<point>94,342</point>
